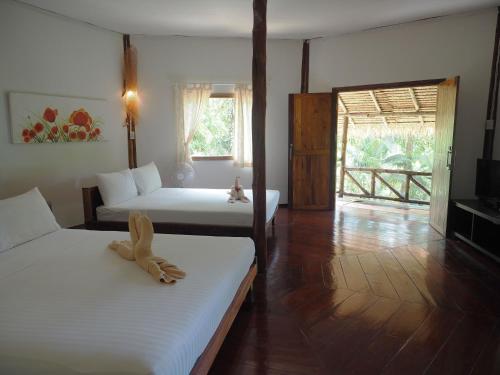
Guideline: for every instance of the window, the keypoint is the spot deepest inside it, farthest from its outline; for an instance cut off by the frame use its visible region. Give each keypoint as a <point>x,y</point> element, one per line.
<point>213,123</point>
<point>213,138</point>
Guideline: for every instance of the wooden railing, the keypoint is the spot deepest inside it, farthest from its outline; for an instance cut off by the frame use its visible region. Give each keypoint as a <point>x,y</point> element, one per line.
<point>370,192</point>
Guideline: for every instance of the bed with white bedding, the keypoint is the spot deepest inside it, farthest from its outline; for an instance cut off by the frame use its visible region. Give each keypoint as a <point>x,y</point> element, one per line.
<point>180,210</point>
<point>190,206</point>
<point>69,305</point>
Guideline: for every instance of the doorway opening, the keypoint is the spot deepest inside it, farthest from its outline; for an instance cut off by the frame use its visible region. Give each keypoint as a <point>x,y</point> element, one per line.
<point>385,146</point>
<point>417,109</point>
<point>387,157</point>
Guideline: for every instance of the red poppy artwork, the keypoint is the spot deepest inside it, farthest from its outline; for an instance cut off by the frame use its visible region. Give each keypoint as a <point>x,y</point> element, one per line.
<point>38,118</point>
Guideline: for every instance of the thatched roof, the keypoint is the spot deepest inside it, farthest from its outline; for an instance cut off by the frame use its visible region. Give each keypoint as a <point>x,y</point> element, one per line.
<point>400,111</point>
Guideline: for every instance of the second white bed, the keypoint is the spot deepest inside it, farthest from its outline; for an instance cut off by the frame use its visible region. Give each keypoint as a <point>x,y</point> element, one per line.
<point>190,206</point>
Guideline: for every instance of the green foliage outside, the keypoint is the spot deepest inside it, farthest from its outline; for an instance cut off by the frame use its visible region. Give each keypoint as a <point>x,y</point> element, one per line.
<point>401,152</point>
<point>214,135</point>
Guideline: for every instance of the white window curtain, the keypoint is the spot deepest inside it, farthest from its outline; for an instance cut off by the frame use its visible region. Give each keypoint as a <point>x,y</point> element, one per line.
<point>190,101</point>
<point>242,146</point>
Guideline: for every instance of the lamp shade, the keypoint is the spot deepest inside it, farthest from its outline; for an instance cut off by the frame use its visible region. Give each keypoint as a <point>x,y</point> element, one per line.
<point>130,73</point>
<point>130,79</point>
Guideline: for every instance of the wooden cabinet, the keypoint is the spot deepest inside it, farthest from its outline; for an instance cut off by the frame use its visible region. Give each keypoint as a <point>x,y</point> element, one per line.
<point>477,225</point>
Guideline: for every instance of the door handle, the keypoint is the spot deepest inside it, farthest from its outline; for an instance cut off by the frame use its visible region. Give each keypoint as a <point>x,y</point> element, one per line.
<point>449,158</point>
<point>290,151</point>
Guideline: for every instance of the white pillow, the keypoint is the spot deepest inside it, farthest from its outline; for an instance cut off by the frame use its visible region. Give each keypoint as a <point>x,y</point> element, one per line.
<point>24,218</point>
<point>147,178</point>
<point>116,187</point>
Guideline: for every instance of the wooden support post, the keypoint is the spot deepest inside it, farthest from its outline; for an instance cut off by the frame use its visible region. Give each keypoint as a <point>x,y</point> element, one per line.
<point>345,127</point>
<point>491,116</point>
<point>372,185</point>
<point>132,151</point>
<point>304,81</point>
<point>407,187</point>
<point>409,152</point>
<point>259,36</point>
<point>130,120</point>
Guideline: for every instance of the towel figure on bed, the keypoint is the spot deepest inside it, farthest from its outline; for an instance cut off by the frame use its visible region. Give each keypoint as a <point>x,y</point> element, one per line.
<point>237,193</point>
<point>139,249</point>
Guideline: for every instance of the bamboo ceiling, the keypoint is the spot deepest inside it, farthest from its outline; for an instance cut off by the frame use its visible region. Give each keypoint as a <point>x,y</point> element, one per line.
<point>399,111</point>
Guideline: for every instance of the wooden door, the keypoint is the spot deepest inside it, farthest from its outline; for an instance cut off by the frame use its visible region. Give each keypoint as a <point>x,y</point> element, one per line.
<point>443,153</point>
<point>311,151</point>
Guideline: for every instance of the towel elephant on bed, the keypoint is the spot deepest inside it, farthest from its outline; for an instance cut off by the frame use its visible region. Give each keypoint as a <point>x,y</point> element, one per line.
<point>139,249</point>
<point>237,193</point>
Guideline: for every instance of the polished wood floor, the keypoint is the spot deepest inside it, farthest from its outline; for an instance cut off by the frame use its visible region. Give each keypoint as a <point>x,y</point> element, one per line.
<point>365,292</point>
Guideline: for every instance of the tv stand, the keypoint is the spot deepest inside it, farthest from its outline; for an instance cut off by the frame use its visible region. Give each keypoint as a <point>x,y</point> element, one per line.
<point>477,225</point>
<point>494,204</point>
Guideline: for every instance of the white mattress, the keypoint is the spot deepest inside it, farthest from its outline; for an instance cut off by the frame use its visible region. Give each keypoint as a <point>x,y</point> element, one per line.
<point>190,206</point>
<point>69,305</point>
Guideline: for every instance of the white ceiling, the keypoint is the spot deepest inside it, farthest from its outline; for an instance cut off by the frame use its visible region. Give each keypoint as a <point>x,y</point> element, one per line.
<point>296,19</point>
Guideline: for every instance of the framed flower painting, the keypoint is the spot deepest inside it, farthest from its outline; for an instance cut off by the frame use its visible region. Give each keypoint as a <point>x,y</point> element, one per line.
<point>38,118</point>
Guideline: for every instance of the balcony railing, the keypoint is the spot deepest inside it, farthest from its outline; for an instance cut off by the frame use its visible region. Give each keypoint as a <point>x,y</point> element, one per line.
<point>376,176</point>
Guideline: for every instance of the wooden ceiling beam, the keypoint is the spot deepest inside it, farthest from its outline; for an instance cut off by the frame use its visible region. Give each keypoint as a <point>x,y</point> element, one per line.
<point>414,98</point>
<point>342,105</point>
<point>377,106</point>
<point>344,110</point>
<point>416,104</point>
<point>390,114</point>
<point>374,99</point>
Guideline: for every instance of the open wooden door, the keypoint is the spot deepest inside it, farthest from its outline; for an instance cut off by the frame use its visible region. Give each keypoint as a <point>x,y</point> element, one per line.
<point>443,153</point>
<point>312,147</point>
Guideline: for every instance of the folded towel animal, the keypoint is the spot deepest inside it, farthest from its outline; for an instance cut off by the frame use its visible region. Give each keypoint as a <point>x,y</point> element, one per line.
<point>139,249</point>
<point>237,193</point>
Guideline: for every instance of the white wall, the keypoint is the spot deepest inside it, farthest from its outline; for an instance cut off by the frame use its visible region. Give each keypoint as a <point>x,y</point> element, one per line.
<point>47,54</point>
<point>457,45</point>
<point>164,61</point>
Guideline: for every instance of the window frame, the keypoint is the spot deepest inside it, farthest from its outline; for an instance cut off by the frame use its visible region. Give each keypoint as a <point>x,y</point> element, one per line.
<point>218,95</point>
<point>212,158</point>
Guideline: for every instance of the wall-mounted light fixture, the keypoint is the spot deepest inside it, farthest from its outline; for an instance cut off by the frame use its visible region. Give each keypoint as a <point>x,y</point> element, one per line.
<point>132,104</point>
<point>130,96</point>
<point>130,80</point>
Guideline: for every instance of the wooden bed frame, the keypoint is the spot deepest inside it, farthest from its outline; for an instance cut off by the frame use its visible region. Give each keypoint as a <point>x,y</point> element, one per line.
<point>243,295</point>
<point>92,199</point>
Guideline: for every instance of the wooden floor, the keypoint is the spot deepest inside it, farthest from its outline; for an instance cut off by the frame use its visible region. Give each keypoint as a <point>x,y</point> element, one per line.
<point>369,292</point>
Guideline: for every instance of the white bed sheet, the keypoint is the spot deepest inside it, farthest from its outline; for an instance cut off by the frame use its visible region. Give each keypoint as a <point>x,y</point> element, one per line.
<point>190,206</point>
<point>69,305</point>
